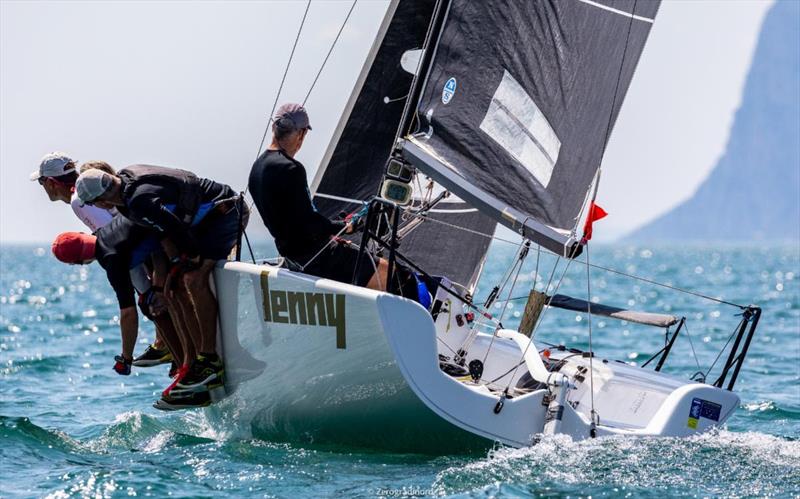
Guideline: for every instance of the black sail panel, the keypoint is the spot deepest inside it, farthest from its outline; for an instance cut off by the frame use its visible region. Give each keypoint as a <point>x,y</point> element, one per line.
<point>354,163</point>
<point>519,102</point>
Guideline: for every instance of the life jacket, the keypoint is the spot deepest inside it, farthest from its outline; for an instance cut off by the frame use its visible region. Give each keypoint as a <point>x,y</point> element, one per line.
<point>190,193</point>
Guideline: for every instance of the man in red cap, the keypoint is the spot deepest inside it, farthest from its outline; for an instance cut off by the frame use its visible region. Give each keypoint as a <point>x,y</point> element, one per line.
<point>57,174</point>
<point>118,247</point>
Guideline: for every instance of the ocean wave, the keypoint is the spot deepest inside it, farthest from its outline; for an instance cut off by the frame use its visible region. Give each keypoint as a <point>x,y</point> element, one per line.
<point>716,463</point>
<point>21,430</point>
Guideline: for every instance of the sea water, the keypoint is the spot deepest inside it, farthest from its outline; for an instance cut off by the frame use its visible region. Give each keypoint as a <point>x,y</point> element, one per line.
<point>71,427</point>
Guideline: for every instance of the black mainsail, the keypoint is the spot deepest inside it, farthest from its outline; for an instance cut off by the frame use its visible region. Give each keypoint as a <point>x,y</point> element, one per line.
<point>518,104</point>
<point>352,169</point>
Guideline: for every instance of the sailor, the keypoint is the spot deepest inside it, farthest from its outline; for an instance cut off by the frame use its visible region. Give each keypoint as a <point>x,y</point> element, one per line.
<point>57,174</point>
<point>199,222</point>
<point>160,351</point>
<point>118,246</point>
<point>279,186</point>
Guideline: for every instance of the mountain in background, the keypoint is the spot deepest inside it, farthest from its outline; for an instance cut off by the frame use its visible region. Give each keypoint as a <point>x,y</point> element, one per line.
<point>753,193</point>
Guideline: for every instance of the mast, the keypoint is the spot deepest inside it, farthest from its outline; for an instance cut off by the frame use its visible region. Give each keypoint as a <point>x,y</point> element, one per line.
<point>380,104</point>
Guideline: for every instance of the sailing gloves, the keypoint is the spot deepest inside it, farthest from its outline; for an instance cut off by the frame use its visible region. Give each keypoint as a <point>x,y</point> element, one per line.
<point>122,365</point>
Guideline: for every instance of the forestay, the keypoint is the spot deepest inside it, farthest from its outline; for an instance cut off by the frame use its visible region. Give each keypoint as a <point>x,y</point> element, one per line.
<point>518,104</point>
<point>353,166</point>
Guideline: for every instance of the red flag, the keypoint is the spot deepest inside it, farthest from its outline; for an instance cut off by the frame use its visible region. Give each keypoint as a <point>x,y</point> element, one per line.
<point>595,213</point>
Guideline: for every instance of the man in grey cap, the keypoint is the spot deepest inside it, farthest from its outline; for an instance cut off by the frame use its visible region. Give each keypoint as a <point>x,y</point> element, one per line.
<point>198,222</point>
<point>57,174</point>
<point>279,186</point>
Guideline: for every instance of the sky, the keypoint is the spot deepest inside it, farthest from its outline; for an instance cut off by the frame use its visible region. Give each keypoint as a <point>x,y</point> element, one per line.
<point>190,84</point>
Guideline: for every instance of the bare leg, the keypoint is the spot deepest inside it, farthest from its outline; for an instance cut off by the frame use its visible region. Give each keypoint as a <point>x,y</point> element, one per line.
<point>186,324</point>
<point>169,336</point>
<point>379,279</point>
<point>205,305</point>
<point>178,307</point>
<point>160,340</point>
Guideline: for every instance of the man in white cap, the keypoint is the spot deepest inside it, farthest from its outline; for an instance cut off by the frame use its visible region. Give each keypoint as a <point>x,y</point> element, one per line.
<point>57,174</point>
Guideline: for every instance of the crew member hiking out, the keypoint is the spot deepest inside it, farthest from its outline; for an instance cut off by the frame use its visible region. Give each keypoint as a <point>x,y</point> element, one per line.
<point>198,220</point>
<point>279,186</point>
<point>120,247</point>
<point>57,174</point>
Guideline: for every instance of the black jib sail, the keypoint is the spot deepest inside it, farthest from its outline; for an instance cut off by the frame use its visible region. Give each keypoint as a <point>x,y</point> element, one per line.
<point>352,169</point>
<point>518,104</point>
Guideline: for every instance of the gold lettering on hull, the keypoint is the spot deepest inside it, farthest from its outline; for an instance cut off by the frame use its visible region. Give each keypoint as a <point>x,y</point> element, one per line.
<point>306,309</point>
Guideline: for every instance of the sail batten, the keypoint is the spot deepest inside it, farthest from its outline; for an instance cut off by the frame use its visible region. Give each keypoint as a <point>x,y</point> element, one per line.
<point>519,102</point>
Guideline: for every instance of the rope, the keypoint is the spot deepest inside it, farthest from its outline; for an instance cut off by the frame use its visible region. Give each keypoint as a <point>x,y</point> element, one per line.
<point>330,241</point>
<point>283,80</point>
<point>518,267</point>
<point>465,229</point>
<point>536,326</point>
<point>329,50</point>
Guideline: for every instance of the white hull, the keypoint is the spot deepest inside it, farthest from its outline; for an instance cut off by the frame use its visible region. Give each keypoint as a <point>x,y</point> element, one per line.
<point>370,376</point>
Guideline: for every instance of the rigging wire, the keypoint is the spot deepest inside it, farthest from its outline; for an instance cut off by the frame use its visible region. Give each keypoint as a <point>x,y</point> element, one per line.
<point>283,80</point>
<point>593,265</point>
<point>691,343</point>
<point>541,316</point>
<point>593,413</point>
<point>330,50</point>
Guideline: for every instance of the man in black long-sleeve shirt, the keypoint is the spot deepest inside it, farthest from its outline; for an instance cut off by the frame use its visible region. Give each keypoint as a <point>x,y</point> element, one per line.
<point>279,187</point>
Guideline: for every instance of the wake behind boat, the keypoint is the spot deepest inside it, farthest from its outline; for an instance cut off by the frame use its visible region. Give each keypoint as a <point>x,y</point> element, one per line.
<point>447,133</point>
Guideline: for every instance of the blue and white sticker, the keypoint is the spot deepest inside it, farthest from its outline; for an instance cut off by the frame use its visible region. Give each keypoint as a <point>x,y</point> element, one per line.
<point>449,90</point>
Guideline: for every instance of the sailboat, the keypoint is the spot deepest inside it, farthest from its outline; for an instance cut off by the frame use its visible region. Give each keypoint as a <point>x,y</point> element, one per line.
<point>465,115</point>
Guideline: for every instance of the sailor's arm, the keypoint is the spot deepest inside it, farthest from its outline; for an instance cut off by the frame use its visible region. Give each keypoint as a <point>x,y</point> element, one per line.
<point>118,275</point>
<point>302,209</point>
<point>129,330</point>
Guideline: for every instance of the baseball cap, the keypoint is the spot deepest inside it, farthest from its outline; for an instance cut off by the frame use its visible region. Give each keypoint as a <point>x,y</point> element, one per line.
<point>92,184</point>
<point>74,247</point>
<point>54,164</point>
<point>293,115</point>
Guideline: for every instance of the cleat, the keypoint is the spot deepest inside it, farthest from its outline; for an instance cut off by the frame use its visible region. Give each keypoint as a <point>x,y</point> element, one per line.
<point>152,357</point>
<point>203,375</point>
<point>172,403</point>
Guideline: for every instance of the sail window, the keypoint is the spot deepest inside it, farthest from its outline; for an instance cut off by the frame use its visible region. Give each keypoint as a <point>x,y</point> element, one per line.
<point>409,61</point>
<point>515,122</point>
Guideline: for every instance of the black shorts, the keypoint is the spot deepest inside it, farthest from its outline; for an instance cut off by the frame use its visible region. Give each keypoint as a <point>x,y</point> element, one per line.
<point>218,232</point>
<point>337,262</point>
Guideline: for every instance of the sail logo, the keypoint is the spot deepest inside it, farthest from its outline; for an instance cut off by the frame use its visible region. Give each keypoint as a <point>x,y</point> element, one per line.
<point>303,308</point>
<point>449,90</point>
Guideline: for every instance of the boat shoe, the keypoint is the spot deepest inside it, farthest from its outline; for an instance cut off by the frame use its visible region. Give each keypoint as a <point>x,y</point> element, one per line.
<point>171,402</point>
<point>153,357</point>
<point>204,374</point>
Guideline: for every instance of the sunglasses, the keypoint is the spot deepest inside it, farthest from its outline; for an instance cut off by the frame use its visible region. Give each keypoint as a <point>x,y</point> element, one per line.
<point>43,180</point>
